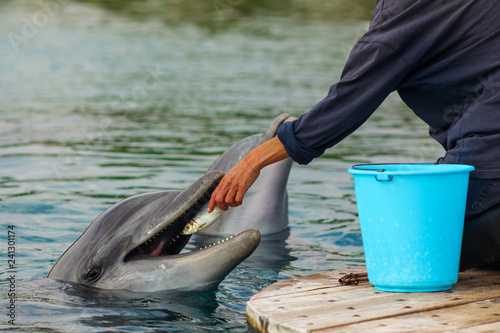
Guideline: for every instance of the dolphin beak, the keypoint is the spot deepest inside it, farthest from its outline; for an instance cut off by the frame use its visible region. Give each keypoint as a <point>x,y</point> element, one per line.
<point>200,270</point>
<point>214,262</point>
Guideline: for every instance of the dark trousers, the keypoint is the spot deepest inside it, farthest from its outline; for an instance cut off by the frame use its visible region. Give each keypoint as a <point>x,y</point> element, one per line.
<point>481,242</point>
<point>482,195</point>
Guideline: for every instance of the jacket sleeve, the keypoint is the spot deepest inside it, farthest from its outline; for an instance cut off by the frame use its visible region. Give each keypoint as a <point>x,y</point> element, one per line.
<point>373,70</point>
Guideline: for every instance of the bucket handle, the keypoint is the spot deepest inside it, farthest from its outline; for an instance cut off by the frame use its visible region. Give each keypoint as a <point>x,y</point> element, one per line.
<point>383,178</point>
<point>380,178</point>
<point>357,167</point>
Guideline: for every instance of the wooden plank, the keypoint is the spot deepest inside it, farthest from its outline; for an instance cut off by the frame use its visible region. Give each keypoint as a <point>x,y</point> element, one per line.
<point>307,283</point>
<point>486,328</point>
<point>312,297</point>
<point>461,317</point>
<point>318,303</point>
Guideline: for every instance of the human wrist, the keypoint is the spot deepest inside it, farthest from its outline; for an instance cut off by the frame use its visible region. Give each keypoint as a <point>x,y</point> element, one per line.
<point>267,153</point>
<point>252,164</point>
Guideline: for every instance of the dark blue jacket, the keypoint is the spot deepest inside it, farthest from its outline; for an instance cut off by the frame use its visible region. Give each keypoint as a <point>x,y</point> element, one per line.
<point>443,58</point>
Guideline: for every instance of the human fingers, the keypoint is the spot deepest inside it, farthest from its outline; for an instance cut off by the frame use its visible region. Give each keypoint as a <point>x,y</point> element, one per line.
<point>239,197</point>
<point>233,186</point>
<point>229,193</point>
<point>232,194</point>
<point>240,184</point>
<point>217,198</point>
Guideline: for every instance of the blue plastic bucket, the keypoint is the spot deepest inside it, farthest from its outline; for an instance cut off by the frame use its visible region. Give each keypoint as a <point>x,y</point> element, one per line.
<point>412,219</point>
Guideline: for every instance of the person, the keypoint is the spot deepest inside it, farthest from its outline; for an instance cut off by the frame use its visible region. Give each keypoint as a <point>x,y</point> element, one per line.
<point>443,59</point>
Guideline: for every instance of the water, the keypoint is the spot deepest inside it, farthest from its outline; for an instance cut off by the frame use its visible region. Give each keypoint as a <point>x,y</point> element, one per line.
<point>105,100</point>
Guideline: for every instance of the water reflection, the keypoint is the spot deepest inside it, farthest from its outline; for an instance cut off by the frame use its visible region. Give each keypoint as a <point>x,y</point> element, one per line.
<point>216,14</point>
<point>57,303</point>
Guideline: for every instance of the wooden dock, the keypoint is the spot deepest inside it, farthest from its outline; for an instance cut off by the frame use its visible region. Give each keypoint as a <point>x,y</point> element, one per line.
<point>319,303</point>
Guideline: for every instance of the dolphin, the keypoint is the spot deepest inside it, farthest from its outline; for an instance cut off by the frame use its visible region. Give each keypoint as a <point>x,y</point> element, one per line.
<point>265,206</point>
<point>135,245</point>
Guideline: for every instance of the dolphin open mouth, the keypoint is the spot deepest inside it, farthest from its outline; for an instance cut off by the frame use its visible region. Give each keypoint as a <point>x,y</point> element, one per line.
<point>170,240</point>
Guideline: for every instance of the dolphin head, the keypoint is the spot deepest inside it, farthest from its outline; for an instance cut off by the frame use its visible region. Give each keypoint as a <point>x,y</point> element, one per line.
<point>136,244</point>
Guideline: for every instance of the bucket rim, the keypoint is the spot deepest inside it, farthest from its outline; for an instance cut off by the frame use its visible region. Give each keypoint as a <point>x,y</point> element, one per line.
<point>409,168</point>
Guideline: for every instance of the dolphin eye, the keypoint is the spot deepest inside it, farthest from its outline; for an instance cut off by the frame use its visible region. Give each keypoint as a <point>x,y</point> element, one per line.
<point>93,274</point>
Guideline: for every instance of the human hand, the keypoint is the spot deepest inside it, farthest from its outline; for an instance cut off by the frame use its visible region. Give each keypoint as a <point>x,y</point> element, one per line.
<point>233,186</point>
<point>237,181</point>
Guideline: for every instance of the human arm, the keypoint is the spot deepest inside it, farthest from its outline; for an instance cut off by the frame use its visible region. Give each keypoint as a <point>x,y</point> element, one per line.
<point>237,181</point>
